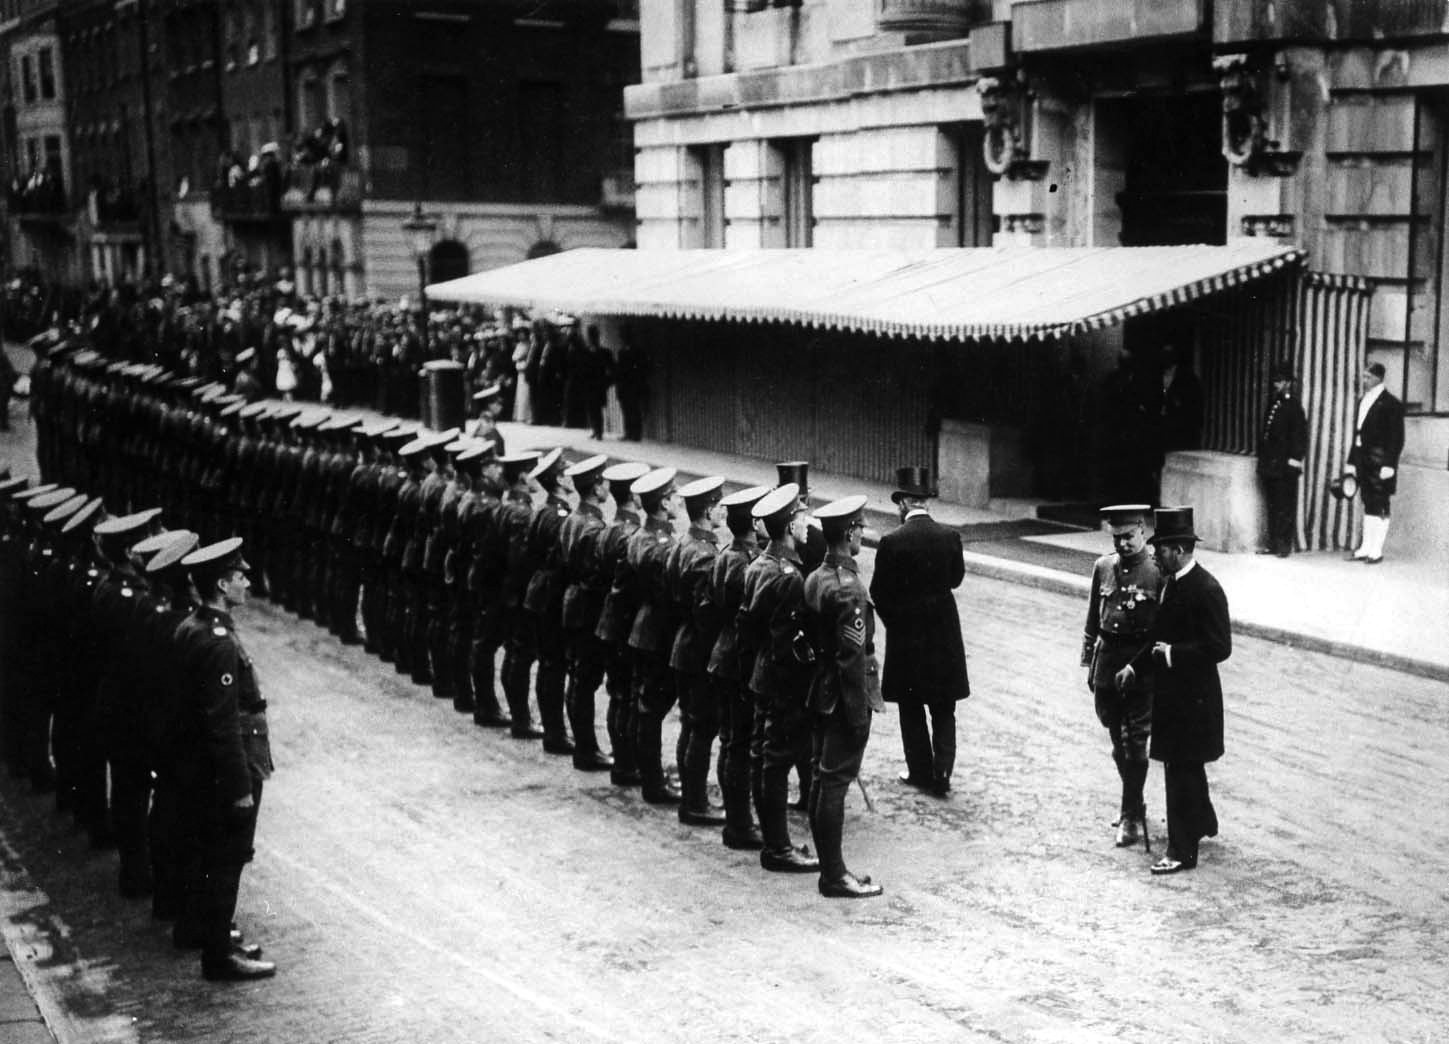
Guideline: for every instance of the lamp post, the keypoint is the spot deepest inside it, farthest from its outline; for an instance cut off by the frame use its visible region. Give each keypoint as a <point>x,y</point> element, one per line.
<point>420,227</point>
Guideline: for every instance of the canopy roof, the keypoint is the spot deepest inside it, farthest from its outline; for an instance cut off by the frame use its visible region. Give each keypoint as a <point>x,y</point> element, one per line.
<point>962,294</point>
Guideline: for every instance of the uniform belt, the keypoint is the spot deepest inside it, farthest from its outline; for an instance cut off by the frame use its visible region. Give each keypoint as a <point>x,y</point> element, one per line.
<point>1108,636</point>
<point>260,707</point>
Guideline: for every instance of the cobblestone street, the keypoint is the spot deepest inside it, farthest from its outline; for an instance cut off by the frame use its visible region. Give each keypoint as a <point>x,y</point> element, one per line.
<point>418,878</point>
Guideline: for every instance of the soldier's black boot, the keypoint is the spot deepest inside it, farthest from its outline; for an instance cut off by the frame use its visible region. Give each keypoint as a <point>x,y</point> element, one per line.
<point>580,708</point>
<point>551,684</point>
<point>460,670</point>
<point>486,710</point>
<point>779,855</point>
<point>1132,823</point>
<point>694,807</point>
<point>437,644</point>
<point>658,790</point>
<point>515,691</point>
<point>621,738</point>
<point>740,831</point>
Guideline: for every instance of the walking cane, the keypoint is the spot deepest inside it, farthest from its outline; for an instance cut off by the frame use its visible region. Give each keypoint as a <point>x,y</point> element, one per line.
<point>869,804</point>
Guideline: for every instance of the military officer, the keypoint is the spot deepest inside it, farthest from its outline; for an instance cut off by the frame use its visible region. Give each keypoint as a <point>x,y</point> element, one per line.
<point>771,628</point>
<point>543,598</point>
<point>586,586</point>
<point>845,691</point>
<point>616,616</point>
<point>1120,612</point>
<point>687,573</point>
<point>652,632</point>
<point>226,758</point>
<point>738,783</point>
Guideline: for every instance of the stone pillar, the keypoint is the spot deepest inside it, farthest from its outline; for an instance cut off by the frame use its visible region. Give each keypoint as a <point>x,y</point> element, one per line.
<point>886,187</point>
<point>666,196</point>
<point>754,195</point>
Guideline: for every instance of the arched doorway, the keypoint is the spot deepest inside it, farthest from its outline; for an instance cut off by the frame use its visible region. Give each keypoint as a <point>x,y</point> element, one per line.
<point>448,260</point>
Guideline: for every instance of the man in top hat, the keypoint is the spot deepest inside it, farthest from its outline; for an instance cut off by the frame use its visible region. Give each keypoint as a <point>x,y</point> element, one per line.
<point>616,617</point>
<point>845,691</point>
<point>652,634</point>
<point>739,779</point>
<point>917,567</point>
<point>1190,637</point>
<point>1281,449</point>
<point>543,601</point>
<point>585,586</point>
<point>1378,439</point>
<point>771,624</point>
<point>226,757</point>
<point>687,574</point>
<point>1121,609</point>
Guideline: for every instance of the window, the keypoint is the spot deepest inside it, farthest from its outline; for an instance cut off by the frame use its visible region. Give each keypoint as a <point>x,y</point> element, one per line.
<point>706,164</point>
<point>797,184</point>
<point>47,73</point>
<point>27,77</point>
<point>269,31</point>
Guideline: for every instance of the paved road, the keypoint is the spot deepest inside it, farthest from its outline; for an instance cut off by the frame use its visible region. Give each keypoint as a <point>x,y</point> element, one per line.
<point>421,879</point>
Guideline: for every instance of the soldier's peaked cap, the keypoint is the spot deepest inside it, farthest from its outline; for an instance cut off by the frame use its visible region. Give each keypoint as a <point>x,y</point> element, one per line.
<point>474,454</point>
<point>252,409</point>
<point>707,490</point>
<point>233,408</point>
<point>10,486</point>
<point>215,559</point>
<point>33,492</point>
<point>152,544</point>
<point>63,511</point>
<point>183,543</point>
<point>415,448</point>
<point>779,501</point>
<point>655,485</point>
<point>338,422</point>
<point>587,472</point>
<point>517,464</point>
<point>125,525</point>
<point>546,463</point>
<point>625,472</point>
<point>46,501</point>
<point>373,429</point>
<point>1126,515</point>
<point>738,504</point>
<point>83,516</point>
<point>310,419</point>
<point>401,434</point>
<point>839,514</point>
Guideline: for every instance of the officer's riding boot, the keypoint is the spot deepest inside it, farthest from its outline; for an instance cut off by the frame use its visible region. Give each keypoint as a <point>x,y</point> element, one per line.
<point>621,739</point>
<point>485,693</point>
<point>740,831</point>
<point>779,855</point>
<point>805,771</point>
<point>579,702</point>
<point>695,809</point>
<point>551,684</point>
<point>1133,820</point>
<point>515,691</point>
<point>658,790</point>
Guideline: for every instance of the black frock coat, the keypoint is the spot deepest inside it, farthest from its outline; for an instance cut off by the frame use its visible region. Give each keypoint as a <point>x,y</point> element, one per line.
<point>916,568</point>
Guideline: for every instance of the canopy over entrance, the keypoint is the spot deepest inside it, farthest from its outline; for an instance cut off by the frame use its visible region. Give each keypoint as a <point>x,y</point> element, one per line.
<point>1017,293</point>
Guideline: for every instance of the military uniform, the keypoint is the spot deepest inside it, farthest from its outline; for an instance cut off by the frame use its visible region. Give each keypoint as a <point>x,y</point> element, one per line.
<point>543,602</point>
<point>616,617</point>
<point>486,567</point>
<point>515,517</point>
<point>586,586</point>
<point>652,634</point>
<point>1121,608</point>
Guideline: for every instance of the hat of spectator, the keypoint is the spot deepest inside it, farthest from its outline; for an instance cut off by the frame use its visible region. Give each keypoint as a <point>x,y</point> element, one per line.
<point>838,516</point>
<point>910,482</point>
<point>1344,487</point>
<point>1172,525</point>
<point>702,493</point>
<point>796,471</point>
<point>1377,369</point>
<point>1283,370</point>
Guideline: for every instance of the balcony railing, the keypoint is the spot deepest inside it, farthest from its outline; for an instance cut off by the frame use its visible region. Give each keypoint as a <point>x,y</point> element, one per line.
<point>39,196</point>
<point>256,197</point>
<point>1252,21</point>
<point>322,186</point>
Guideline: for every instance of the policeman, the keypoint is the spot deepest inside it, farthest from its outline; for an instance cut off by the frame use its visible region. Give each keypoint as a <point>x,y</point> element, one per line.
<point>616,616</point>
<point>226,756</point>
<point>543,599</point>
<point>771,627</point>
<point>845,691</point>
<point>687,574</point>
<point>652,633</point>
<point>586,586</point>
<point>1121,608</point>
<point>736,704</point>
<point>515,515</point>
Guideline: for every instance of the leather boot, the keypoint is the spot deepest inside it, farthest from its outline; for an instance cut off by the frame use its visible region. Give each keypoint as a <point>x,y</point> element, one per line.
<point>234,967</point>
<point>551,708</point>
<point>658,790</point>
<point>779,855</point>
<point>740,831</point>
<point>515,691</point>
<point>486,710</point>
<point>695,809</point>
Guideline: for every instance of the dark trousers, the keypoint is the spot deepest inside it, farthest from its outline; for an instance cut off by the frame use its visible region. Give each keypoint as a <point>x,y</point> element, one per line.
<point>839,750</point>
<point>1127,717</point>
<point>213,845</point>
<point>587,661</point>
<point>930,752</point>
<point>619,717</point>
<point>654,696</point>
<point>781,724</point>
<point>736,725</point>
<point>1190,813</point>
<point>1280,495</point>
<point>130,805</point>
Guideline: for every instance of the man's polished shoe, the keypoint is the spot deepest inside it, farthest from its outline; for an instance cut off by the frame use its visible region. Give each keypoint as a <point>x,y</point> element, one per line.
<point>941,786</point>
<point>705,817</point>
<point>236,968</point>
<point>849,887</point>
<point>790,861</point>
<point>593,761</point>
<point>1129,831</point>
<point>527,732</point>
<point>492,720</point>
<point>1172,865</point>
<point>561,745</point>
<point>919,782</point>
<point>625,778</point>
<point>743,840</point>
<point>668,794</point>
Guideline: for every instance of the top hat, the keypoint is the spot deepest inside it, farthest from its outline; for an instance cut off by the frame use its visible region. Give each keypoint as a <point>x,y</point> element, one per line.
<point>796,471</point>
<point>1125,516</point>
<point>1171,525</point>
<point>1283,370</point>
<point>1345,487</point>
<point>911,482</point>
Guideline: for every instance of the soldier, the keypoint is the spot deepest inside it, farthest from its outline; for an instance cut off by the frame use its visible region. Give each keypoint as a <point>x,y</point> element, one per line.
<point>69,575</point>
<point>687,574</point>
<point>392,476</point>
<point>515,516</point>
<point>616,616</point>
<point>162,711</point>
<point>404,555</point>
<point>226,758</point>
<point>812,553</point>
<point>770,624</point>
<point>583,599</point>
<point>486,539</point>
<point>490,407</point>
<point>845,692</point>
<point>1120,612</point>
<point>652,633</point>
<point>457,561</point>
<point>439,519</point>
<point>738,784</point>
<point>543,599</point>
<point>359,586</point>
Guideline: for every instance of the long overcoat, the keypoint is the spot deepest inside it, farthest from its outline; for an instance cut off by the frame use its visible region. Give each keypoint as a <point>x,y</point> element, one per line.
<point>916,568</point>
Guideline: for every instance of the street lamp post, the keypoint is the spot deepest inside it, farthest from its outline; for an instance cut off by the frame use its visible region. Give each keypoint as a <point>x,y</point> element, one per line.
<point>420,227</point>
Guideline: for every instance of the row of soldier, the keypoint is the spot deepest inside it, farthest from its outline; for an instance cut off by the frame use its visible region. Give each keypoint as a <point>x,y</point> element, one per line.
<point>435,541</point>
